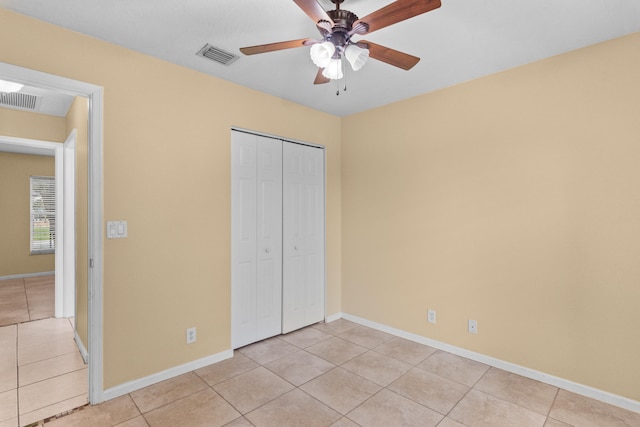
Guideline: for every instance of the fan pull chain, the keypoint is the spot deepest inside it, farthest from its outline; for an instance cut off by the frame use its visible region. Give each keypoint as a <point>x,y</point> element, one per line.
<point>337,82</point>
<point>344,72</point>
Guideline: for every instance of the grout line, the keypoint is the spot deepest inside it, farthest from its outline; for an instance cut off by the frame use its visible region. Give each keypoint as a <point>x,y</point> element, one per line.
<point>553,402</point>
<point>56,403</point>
<point>52,377</point>
<point>17,382</point>
<point>26,298</point>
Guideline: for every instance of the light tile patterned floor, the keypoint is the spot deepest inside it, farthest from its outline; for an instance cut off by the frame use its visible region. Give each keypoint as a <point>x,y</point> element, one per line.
<point>41,371</point>
<point>22,300</point>
<point>344,375</point>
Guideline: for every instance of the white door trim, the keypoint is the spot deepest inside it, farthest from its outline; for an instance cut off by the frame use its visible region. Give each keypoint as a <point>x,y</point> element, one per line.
<point>61,235</point>
<point>94,139</point>
<point>69,220</point>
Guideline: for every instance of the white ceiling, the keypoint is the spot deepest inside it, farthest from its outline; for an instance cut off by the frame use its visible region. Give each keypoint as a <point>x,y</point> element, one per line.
<point>462,40</point>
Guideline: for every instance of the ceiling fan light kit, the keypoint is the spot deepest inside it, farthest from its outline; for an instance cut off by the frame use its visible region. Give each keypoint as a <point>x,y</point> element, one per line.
<point>333,70</point>
<point>337,28</point>
<point>357,56</point>
<point>321,53</point>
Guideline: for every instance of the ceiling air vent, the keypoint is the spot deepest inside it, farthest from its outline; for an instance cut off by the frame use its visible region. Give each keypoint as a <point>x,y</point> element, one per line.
<point>23,101</point>
<point>218,55</point>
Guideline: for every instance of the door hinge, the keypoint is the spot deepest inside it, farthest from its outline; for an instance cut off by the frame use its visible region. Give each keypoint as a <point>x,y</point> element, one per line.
<point>91,263</point>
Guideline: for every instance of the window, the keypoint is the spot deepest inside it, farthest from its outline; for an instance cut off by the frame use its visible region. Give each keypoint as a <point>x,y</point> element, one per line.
<point>43,214</point>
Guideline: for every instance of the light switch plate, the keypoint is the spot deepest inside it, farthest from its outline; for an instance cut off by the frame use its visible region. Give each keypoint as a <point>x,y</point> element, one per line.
<point>116,229</point>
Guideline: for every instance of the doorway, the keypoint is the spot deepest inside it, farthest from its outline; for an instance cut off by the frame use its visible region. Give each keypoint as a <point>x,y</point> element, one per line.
<point>94,94</point>
<point>44,356</point>
<point>63,156</point>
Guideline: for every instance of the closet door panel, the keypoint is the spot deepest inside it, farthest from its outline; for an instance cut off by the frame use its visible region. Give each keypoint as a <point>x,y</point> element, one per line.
<point>269,240</point>
<point>293,290</point>
<point>315,252</point>
<point>303,236</point>
<point>243,240</point>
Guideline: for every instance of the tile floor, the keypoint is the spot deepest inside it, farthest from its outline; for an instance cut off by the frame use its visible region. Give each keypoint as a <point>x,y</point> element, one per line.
<point>22,300</point>
<point>41,371</point>
<point>343,375</point>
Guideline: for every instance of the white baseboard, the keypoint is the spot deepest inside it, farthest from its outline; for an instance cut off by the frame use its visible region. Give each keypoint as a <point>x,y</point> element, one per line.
<point>562,383</point>
<point>332,317</point>
<point>23,276</point>
<point>134,385</point>
<point>81,347</point>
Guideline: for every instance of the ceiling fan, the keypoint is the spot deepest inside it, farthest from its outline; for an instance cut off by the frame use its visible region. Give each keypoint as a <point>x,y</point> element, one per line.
<point>337,27</point>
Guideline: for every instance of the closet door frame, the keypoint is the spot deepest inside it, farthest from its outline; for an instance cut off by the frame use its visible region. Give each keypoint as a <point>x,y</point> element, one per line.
<point>324,201</point>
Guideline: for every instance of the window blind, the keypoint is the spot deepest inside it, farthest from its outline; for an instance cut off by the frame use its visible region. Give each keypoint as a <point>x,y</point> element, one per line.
<point>43,214</point>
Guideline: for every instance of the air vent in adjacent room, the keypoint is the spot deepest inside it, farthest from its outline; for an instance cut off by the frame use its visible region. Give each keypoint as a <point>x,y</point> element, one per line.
<point>218,55</point>
<point>23,101</point>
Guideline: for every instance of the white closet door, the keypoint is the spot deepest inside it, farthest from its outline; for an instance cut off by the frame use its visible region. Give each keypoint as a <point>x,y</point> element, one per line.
<point>303,236</point>
<point>243,238</point>
<point>256,238</point>
<point>269,243</point>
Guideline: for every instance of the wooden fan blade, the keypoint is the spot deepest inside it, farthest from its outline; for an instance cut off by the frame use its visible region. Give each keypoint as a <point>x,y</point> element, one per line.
<point>320,79</point>
<point>313,9</point>
<point>390,56</point>
<point>263,48</point>
<point>393,13</point>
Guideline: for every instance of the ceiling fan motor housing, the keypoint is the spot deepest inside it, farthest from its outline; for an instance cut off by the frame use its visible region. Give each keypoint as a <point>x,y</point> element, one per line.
<point>340,33</point>
<point>343,19</point>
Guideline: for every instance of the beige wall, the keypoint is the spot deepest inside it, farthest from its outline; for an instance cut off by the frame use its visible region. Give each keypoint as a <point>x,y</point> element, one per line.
<point>77,118</point>
<point>513,200</point>
<point>15,170</point>
<point>166,165</point>
<point>14,189</point>
<point>25,124</point>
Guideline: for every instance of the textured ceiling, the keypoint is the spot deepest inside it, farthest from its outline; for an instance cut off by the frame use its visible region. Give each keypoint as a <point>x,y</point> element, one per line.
<point>460,41</point>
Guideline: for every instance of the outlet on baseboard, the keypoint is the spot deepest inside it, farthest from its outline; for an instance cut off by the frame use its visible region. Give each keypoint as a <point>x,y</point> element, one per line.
<point>473,326</point>
<point>431,316</point>
<point>191,335</point>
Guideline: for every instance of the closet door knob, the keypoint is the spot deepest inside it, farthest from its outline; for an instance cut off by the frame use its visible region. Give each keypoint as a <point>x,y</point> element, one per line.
<point>295,247</point>
<point>267,250</point>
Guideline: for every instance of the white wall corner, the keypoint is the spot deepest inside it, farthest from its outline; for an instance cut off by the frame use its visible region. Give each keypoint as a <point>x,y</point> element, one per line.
<point>335,316</point>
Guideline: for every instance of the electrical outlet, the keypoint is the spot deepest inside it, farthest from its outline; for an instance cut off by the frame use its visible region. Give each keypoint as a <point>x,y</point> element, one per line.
<point>431,316</point>
<point>191,335</point>
<point>473,326</point>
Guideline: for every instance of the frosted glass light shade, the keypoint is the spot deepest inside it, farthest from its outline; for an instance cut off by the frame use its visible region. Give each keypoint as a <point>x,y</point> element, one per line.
<point>321,53</point>
<point>6,86</point>
<point>333,71</point>
<point>356,56</point>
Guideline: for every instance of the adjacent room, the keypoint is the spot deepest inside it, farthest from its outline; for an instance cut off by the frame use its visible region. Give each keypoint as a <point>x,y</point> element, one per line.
<point>447,236</point>
<point>44,372</point>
